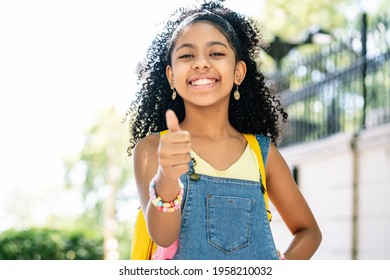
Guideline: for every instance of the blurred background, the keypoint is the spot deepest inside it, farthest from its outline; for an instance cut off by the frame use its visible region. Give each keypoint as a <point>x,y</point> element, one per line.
<point>68,75</point>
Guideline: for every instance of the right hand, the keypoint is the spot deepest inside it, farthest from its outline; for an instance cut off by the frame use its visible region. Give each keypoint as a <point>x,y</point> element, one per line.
<point>174,150</point>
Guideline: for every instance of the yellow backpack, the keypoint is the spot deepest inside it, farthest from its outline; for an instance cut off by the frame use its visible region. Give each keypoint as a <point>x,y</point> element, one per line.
<point>143,246</point>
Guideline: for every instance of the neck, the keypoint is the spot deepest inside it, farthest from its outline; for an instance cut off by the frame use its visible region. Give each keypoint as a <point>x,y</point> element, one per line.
<point>207,122</point>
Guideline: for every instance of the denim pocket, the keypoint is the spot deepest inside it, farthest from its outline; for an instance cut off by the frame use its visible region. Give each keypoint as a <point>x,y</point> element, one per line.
<point>229,221</point>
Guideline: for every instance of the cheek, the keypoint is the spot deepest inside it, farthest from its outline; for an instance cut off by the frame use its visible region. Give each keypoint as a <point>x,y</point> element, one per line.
<point>179,74</point>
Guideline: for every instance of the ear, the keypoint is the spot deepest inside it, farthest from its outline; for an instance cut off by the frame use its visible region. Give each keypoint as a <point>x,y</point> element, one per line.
<point>240,72</point>
<point>169,74</point>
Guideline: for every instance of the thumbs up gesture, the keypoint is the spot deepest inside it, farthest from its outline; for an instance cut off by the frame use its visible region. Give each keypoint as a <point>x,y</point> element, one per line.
<point>172,121</point>
<point>174,149</point>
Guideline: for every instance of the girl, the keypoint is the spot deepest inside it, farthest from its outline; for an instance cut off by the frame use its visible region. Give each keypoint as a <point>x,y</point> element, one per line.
<point>199,183</point>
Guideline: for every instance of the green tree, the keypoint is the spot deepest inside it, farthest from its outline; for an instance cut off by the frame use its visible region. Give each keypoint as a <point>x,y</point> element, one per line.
<point>102,169</point>
<point>50,244</point>
<point>293,20</point>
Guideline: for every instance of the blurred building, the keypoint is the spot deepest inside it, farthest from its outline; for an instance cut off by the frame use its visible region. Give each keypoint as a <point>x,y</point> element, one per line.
<point>338,141</point>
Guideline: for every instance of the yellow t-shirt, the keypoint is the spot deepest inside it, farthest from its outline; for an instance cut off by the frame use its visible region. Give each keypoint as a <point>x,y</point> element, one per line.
<point>245,168</point>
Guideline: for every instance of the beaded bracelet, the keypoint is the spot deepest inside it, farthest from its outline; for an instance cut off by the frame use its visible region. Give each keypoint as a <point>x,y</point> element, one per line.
<point>162,206</point>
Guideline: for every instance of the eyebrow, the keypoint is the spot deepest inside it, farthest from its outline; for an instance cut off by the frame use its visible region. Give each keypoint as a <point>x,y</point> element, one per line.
<point>209,44</point>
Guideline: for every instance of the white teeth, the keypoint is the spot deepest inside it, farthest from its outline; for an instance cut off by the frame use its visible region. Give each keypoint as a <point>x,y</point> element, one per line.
<point>202,82</point>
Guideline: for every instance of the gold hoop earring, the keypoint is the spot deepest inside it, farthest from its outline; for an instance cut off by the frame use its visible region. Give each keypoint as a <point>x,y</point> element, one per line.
<point>173,93</point>
<point>237,94</point>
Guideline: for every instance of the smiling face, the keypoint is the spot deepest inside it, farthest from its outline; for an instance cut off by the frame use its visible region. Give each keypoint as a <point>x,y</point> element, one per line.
<point>204,68</point>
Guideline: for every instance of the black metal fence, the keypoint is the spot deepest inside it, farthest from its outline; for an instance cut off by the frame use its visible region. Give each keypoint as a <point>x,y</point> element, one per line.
<point>344,87</point>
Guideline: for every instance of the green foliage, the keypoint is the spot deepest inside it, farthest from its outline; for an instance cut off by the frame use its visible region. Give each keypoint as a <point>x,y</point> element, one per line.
<point>294,20</point>
<point>50,244</point>
<point>102,161</point>
<point>124,237</point>
<point>290,19</point>
<point>101,171</point>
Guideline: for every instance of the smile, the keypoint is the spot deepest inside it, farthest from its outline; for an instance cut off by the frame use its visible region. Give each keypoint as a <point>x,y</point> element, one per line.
<point>203,82</point>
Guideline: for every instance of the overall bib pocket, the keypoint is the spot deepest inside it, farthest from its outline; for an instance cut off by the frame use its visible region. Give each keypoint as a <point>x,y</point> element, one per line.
<point>229,222</point>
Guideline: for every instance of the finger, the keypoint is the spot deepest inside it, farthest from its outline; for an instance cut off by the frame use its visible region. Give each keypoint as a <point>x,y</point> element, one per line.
<point>175,160</point>
<point>180,148</point>
<point>172,121</point>
<point>177,170</point>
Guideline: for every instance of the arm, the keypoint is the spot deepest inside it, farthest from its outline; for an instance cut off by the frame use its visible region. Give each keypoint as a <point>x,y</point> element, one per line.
<point>165,158</point>
<point>292,207</point>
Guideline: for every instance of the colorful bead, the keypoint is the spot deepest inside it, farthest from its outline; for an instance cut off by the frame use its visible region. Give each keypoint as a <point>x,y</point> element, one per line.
<point>166,207</point>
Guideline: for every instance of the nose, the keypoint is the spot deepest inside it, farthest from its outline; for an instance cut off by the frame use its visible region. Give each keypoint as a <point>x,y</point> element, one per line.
<point>201,62</point>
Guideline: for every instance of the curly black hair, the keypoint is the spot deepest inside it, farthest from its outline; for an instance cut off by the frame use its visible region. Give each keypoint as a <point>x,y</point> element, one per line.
<point>257,111</point>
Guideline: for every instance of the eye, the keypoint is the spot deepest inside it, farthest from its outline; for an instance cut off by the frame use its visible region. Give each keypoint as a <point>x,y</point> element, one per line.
<point>217,54</point>
<point>184,56</point>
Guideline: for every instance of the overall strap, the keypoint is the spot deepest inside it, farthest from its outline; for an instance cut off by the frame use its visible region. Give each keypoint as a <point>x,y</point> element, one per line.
<point>254,144</point>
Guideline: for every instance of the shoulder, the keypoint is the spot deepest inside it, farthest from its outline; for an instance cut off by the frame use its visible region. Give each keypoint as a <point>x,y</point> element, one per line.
<point>277,165</point>
<point>146,146</point>
<point>274,151</point>
<point>145,158</point>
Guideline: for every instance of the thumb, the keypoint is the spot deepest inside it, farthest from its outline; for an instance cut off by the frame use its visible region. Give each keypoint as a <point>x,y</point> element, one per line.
<point>172,121</point>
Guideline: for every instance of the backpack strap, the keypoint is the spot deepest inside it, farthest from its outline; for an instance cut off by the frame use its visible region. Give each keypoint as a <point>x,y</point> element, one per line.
<point>142,246</point>
<point>163,132</point>
<point>254,144</point>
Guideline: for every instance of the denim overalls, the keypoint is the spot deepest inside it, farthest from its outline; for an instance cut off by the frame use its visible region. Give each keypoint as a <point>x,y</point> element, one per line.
<point>225,218</point>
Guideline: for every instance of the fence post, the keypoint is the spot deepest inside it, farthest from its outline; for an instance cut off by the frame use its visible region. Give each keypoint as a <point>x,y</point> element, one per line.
<point>364,66</point>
